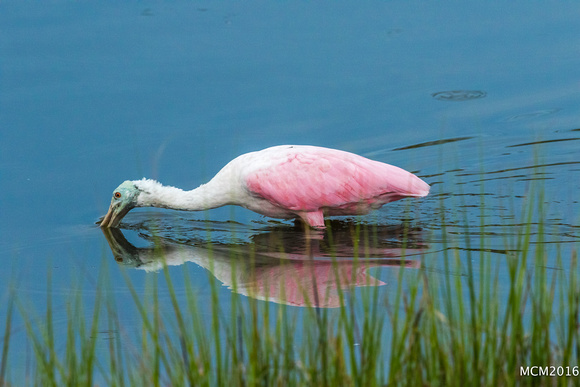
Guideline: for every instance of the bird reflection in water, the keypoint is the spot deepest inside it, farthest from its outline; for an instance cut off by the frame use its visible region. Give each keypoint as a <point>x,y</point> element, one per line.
<point>281,265</point>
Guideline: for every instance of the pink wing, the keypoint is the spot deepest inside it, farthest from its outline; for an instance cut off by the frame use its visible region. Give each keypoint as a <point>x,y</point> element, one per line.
<point>309,180</point>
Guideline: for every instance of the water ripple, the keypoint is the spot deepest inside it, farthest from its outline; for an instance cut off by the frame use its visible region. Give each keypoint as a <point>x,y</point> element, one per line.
<point>543,142</point>
<point>530,115</point>
<point>458,95</point>
<point>432,143</point>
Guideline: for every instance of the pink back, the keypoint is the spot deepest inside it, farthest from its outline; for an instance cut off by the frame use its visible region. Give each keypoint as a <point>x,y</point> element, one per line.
<point>307,180</point>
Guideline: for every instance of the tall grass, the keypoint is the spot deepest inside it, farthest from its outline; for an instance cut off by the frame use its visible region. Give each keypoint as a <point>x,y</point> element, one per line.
<point>451,329</point>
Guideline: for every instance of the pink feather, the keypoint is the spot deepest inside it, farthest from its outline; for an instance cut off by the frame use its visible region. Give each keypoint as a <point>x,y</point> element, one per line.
<point>313,181</point>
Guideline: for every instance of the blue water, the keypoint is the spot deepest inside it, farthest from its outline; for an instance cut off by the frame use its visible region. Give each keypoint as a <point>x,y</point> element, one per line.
<point>471,97</point>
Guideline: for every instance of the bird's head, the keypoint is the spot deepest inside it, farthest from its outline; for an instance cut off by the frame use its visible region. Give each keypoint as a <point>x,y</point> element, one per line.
<point>124,199</point>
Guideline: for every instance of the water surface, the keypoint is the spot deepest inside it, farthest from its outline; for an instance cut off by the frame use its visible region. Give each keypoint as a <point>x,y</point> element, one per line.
<point>480,100</point>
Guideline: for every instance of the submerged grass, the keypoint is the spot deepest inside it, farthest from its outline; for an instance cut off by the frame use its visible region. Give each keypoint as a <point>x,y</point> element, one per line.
<point>451,329</point>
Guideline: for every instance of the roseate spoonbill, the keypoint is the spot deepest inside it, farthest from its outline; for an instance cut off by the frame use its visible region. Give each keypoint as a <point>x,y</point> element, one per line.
<point>286,181</point>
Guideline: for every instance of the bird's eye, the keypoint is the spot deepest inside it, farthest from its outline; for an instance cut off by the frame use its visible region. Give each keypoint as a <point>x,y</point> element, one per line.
<point>117,195</point>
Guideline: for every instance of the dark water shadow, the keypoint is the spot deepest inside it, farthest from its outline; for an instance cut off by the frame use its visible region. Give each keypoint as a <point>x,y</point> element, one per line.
<point>281,264</point>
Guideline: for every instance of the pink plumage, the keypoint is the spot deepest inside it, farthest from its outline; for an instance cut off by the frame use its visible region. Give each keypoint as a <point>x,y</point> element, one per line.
<point>312,182</point>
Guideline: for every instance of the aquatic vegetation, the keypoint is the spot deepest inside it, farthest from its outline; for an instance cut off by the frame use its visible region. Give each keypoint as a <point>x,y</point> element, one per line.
<point>451,329</point>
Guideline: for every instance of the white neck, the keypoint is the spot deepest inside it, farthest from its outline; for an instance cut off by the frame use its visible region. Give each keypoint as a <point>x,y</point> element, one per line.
<point>205,197</point>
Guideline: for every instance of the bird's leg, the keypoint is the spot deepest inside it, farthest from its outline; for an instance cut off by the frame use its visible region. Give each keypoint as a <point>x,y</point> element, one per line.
<point>314,219</point>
